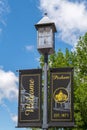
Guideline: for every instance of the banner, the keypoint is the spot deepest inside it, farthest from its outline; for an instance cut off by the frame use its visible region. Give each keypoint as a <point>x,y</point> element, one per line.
<point>29,112</point>
<point>61,103</point>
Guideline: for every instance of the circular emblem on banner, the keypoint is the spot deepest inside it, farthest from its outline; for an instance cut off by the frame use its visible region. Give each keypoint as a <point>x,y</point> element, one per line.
<point>61,95</point>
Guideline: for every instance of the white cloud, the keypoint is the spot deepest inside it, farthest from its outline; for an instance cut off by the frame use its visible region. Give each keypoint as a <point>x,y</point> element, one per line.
<point>30,48</point>
<point>14,118</point>
<point>8,85</point>
<point>4,10</point>
<point>70,18</point>
<point>37,59</point>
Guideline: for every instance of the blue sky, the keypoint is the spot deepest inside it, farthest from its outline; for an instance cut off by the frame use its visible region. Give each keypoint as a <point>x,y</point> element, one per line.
<point>18,43</point>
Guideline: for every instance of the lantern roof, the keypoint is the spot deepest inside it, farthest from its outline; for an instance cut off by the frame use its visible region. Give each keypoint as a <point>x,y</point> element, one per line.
<point>46,21</point>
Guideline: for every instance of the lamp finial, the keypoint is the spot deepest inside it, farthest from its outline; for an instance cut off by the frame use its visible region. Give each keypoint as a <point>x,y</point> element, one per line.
<point>45,14</point>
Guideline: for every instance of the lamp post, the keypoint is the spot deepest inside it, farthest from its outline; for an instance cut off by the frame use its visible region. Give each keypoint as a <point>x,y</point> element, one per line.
<point>45,45</point>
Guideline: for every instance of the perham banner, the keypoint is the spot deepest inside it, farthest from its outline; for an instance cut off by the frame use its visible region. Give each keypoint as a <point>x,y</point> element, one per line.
<point>61,104</point>
<point>29,112</point>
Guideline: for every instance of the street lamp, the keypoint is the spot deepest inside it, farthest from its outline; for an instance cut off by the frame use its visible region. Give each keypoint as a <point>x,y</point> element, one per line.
<point>45,45</point>
<point>45,35</point>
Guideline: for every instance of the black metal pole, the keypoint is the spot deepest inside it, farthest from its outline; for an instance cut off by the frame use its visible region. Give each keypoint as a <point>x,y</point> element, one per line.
<point>45,107</point>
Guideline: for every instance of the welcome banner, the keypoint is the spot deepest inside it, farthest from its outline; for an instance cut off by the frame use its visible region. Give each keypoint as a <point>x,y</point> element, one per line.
<point>29,112</point>
<point>61,103</point>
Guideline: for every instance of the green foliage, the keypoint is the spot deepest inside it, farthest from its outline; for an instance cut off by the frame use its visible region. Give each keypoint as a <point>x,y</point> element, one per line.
<point>81,83</point>
<point>81,54</point>
<point>59,59</point>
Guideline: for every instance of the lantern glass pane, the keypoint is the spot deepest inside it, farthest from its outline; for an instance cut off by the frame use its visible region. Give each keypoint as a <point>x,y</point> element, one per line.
<point>45,36</point>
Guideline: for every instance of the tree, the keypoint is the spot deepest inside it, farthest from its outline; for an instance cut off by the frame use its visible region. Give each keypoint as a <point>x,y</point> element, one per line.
<point>59,59</point>
<point>81,83</point>
<point>78,60</point>
<point>81,55</point>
